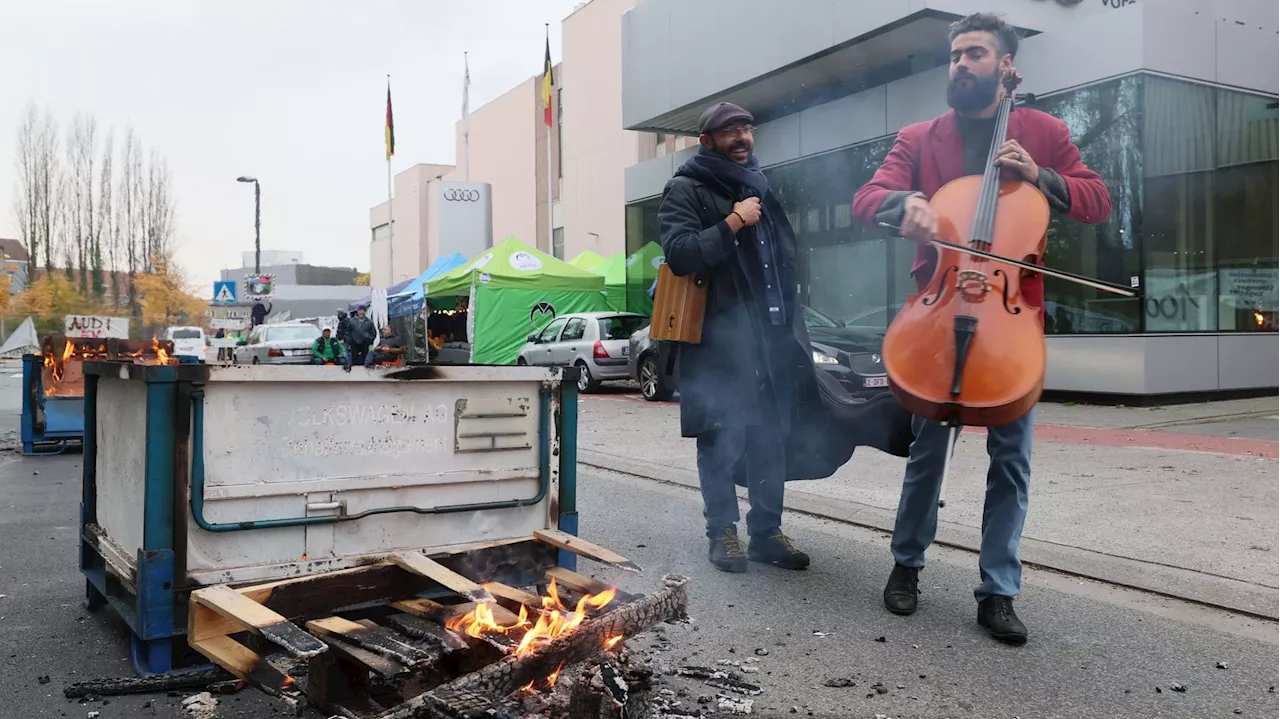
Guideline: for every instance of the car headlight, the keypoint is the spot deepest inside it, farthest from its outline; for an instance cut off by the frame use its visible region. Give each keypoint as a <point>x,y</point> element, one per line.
<point>824,358</point>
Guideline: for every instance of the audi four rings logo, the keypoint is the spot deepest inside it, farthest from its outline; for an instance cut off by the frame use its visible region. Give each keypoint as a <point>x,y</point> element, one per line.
<point>462,195</point>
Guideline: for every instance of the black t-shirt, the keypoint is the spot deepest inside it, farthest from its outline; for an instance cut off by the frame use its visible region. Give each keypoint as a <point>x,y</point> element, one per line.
<point>975,137</point>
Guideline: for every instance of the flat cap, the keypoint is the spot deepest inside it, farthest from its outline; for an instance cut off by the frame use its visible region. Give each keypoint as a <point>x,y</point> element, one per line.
<point>720,116</point>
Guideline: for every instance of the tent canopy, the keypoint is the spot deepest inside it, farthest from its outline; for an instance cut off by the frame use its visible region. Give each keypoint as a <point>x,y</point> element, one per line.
<point>614,271</point>
<point>411,301</point>
<point>586,260</point>
<point>514,265</point>
<point>647,258</point>
<point>368,299</point>
<point>23,340</point>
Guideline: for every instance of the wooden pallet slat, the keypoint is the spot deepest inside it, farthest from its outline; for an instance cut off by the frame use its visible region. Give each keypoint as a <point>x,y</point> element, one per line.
<point>374,638</point>
<point>247,614</point>
<point>512,595</point>
<point>583,548</point>
<point>422,565</point>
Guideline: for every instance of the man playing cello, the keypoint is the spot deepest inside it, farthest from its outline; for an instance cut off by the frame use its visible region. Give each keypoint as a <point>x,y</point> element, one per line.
<point>926,156</point>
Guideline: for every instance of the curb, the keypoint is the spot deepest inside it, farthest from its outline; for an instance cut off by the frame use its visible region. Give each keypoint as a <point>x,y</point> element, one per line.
<point>1232,595</point>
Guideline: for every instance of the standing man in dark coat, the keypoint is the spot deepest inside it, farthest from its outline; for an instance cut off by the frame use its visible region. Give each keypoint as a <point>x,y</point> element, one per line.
<point>751,379</point>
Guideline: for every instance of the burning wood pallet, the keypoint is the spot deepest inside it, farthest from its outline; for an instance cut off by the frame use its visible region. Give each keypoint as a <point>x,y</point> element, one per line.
<point>364,643</point>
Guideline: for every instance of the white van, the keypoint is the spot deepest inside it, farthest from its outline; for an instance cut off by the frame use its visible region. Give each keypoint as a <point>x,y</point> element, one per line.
<point>187,341</point>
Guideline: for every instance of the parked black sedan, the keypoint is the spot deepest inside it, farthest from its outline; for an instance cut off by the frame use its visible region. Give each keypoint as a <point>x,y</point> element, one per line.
<point>851,356</point>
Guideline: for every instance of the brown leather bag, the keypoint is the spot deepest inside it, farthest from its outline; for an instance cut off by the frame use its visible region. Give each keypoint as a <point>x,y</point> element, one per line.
<point>679,307</point>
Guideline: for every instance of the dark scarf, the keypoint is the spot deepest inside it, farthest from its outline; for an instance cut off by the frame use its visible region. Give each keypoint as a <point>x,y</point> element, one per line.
<point>740,182</point>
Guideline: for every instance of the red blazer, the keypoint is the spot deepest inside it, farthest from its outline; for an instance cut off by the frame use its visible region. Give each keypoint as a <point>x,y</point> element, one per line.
<point>928,155</point>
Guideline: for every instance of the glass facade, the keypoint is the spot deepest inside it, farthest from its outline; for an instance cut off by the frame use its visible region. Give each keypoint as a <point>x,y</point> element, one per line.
<point>1192,172</point>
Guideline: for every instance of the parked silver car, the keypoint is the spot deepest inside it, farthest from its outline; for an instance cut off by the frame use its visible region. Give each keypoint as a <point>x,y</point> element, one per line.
<point>277,344</point>
<point>594,342</point>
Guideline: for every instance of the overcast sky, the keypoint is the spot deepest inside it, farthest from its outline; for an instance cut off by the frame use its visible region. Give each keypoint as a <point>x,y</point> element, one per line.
<point>291,92</point>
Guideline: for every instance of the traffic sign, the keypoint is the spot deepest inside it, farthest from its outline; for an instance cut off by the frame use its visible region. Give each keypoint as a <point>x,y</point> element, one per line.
<point>224,293</point>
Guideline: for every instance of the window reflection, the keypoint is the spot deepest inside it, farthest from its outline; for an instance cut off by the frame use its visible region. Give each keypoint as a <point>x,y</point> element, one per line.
<point>642,228</point>
<point>1105,121</point>
<point>845,270</point>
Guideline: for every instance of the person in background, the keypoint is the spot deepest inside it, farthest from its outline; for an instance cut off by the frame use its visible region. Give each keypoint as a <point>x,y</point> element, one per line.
<point>389,348</point>
<point>360,334</point>
<point>259,312</point>
<point>344,328</point>
<point>222,351</point>
<point>325,350</point>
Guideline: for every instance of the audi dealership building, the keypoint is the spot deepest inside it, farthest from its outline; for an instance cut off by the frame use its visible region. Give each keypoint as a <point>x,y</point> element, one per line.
<point>1172,102</point>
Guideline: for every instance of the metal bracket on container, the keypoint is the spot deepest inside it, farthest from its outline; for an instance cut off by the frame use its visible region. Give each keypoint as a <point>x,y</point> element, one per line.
<point>493,424</point>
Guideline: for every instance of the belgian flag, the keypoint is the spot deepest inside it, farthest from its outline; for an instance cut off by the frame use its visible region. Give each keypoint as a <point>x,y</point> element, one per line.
<point>390,131</point>
<point>547,81</point>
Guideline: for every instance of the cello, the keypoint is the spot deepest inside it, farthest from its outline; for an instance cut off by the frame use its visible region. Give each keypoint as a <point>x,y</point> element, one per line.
<point>968,349</point>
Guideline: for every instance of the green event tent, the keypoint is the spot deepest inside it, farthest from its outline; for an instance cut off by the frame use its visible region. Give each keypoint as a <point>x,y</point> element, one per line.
<point>614,271</point>
<point>515,290</point>
<point>586,260</point>
<point>641,273</point>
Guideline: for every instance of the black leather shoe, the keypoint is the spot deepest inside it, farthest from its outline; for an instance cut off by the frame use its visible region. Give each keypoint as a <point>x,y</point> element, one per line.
<point>726,551</point>
<point>902,589</point>
<point>997,615</point>
<point>776,549</point>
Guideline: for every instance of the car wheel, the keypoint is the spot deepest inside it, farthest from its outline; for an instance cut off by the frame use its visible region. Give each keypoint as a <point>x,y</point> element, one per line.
<point>521,363</point>
<point>651,386</point>
<point>586,383</point>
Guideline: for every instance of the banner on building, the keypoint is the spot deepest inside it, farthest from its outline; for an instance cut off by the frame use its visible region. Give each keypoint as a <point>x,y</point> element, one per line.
<point>229,324</point>
<point>1250,288</point>
<point>96,327</point>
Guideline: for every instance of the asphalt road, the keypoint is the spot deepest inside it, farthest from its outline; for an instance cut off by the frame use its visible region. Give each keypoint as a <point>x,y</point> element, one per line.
<point>1094,650</point>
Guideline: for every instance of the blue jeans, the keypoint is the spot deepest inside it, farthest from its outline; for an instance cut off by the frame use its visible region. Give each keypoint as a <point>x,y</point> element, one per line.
<point>761,452</point>
<point>1003,513</point>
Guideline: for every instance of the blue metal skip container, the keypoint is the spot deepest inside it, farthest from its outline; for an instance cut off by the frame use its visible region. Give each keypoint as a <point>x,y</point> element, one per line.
<point>49,421</point>
<point>196,475</point>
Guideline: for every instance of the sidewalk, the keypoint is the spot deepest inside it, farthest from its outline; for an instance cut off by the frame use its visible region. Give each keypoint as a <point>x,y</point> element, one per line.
<point>1116,495</point>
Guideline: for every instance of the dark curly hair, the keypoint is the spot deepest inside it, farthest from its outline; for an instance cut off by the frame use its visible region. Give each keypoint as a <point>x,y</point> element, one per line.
<point>1006,36</point>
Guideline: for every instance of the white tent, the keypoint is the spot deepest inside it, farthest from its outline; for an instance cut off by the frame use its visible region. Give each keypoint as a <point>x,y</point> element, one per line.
<point>23,341</point>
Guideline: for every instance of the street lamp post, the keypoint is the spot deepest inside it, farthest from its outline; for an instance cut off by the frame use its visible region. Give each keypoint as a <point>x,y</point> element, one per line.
<point>257,222</point>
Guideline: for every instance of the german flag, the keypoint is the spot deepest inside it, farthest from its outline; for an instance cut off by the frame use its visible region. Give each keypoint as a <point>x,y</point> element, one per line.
<point>547,81</point>
<point>390,131</point>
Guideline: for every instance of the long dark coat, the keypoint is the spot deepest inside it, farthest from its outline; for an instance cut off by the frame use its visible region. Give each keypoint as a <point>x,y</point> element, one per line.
<point>720,379</point>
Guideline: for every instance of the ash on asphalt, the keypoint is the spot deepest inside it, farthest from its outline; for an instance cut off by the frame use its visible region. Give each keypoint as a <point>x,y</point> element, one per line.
<point>827,625</point>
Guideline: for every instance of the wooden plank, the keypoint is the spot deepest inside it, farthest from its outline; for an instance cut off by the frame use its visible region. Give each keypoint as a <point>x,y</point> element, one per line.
<point>583,548</point>
<point>513,595</point>
<point>375,639</point>
<point>573,580</point>
<point>370,661</point>
<point>422,565</point>
<point>245,613</point>
<point>243,662</point>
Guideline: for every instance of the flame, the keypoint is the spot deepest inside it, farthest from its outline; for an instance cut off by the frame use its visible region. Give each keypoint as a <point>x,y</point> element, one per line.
<point>480,621</point>
<point>554,620</point>
<point>288,682</point>
<point>1259,319</point>
<point>161,355</point>
<point>527,687</point>
<point>612,642</point>
<point>551,680</point>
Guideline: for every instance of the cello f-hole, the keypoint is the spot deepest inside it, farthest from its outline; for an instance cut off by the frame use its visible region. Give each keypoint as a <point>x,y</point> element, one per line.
<point>942,285</point>
<point>1004,293</point>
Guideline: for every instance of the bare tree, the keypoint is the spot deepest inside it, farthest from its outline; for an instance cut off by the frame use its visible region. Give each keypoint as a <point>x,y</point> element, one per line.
<point>160,210</point>
<point>102,220</point>
<point>129,210</point>
<point>49,178</point>
<point>26,196</point>
<point>82,153</point>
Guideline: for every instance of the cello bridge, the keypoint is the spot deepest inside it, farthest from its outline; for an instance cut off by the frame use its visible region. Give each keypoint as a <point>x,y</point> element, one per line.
<point>972,285</point>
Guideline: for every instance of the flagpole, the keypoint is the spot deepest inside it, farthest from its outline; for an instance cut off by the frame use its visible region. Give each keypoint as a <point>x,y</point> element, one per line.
<point>466,120</point>
<point>391,215</point>
<point>551,230</point>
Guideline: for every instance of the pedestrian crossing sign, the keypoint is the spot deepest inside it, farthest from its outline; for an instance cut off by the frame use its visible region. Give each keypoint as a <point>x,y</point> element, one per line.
<point>224,293</point>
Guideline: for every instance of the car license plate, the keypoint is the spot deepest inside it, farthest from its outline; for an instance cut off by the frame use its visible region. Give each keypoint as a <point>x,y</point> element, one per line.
<point>626,351</point>
<point>297,353</point>
<point>876,382</point>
